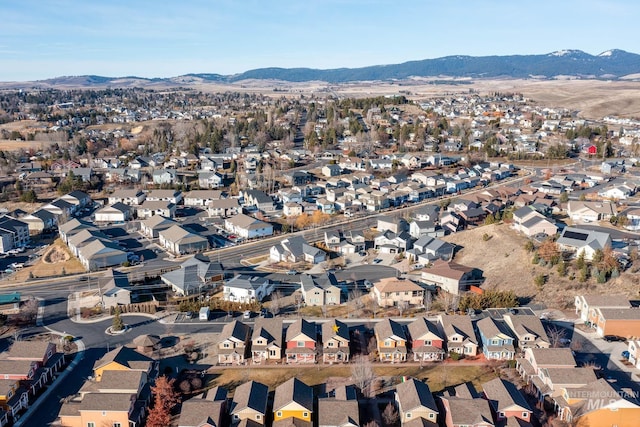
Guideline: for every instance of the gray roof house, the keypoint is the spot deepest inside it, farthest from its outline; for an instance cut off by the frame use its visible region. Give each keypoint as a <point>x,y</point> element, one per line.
<point>179,240</point>
<point>247,288</point>
<point>267,339</point>
<point>320,291</point>
<point>296,249</point>
<point>579,241</point>
<point>415,401</point>
<point>249,402</point>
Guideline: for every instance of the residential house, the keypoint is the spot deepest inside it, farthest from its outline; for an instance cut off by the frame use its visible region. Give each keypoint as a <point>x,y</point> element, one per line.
<point>530,222</point>
<point>390,243</point>
<point>267,339</point>
<point>195,274</point>
<point>497,344</point>
<point>152,226</point>
<point>301,342</point>
<point>116,213</point>
<point>335,342</point>
<point>427,343</point>
<point>94,409</point>
<point>247,227</point>
<point>13,233</point>
<point>391,291</point>
<point>296,249</point>
<point>452,277</point>
<point>40,221</point>
<point>536,361</point>
<point>330,170</point>
<point>293,400</point>
<point>527,330</point>
<point>396,225</point>
<point>224,208</point>
<point>249,403</point>
<point>202,198</point>
<point>459,333</point>
<point>78,198</point>
<point>581,211</point>
<point>179,241</point>
<point>209,411</point>
<point>115,289</point>
<point>246,288</point>
<point>581,241</point>
<point>292,209</point>
<point>391,340</point>
<point>463,407</point>
<point>427,249</point>
<point>339,409</point>
<point>506,400</point>
<point>210,179</point>
<point>619,192</point>
<point>173,196</point>
<point>124,359</point>
<point>320,291</point>
<point>164,176</point>
<point>598,403</point>
<point>100,254</point>
<point>149,208</point>
<point>259,199</point>
<point>233,343</point>
<point>623,322</point>
<point>586,305</point>
<point>415,402</point>
<point>132,197</point>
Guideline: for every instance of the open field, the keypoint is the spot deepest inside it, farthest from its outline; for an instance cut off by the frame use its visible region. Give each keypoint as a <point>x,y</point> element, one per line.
<point>12,145</point>
<point>56,260</point>
<point>507,266</point>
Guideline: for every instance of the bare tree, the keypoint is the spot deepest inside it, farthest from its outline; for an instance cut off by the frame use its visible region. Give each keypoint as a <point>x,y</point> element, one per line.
<point>428,299</point>
<point>556,336</point>
<point>402,307</point>
<point>362,374</point>
<point>276,302</point>
<point>390,415</point>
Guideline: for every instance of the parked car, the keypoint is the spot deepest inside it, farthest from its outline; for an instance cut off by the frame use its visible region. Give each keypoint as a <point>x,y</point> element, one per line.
<point>247,315</point>
<point>625,354</point>
<point>377,261</point>
<point>613,338</point>
<point>292,272</point>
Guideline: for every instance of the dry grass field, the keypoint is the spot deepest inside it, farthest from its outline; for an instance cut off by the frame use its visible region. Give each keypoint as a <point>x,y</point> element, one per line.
<point>507,266</point>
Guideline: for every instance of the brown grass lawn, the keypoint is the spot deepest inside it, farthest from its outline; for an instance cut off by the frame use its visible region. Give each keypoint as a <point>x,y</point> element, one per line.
<point>507,266</point>
<point>437,375</point>
<point>41,269</point>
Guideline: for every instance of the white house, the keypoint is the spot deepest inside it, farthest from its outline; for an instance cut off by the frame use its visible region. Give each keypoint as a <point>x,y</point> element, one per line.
<point>245,288</point>
<point>118,212</point>
<point>247,227</point>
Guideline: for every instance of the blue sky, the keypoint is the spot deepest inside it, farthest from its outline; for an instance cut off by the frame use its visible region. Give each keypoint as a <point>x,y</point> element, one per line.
<point>49,38</point>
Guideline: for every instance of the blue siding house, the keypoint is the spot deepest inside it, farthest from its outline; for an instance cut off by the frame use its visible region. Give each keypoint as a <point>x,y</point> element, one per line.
<point>497,343</point>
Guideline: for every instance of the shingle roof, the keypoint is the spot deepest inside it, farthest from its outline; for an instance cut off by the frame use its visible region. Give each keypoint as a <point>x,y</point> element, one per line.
<point>293,390</point>
<point>504,394</point>
<point>301,326</point>
<point>253,395</point>
<point>413,394</point>
<point>389,328</point>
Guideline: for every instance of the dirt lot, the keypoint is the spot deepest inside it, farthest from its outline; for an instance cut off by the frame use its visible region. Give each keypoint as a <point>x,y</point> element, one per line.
<point>507,265</point>
<point>56,260</point>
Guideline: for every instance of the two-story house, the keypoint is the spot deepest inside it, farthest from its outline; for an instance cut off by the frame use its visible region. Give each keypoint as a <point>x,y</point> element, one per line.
<point>266,340</point>
<point>391,291</point>
<point>301,342</point>
<point>293,399</point>
<point>586,305</point>
<point>528,331</point>
<point>320,291</point>
<point>497,343</point>
<point>249,403</point>
<point>233,343</point>
<point>427,343</point>
<point>459,333</point>
<point>415,401</point>
<point>506,400</point>
<point>391,340</point>
<point>335,342</point>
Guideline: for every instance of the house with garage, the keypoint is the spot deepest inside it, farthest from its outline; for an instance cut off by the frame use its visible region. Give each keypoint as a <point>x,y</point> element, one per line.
<point>622,322</point>
<point>224,208</point>
<point>152,226</point>
<point>249,403</point>
<point>586,305</point>
<point>296,249</point>
<point>586,212</point>
<point>459,333</point>
<point>100,254</point>
<point>427,249</point>
<point>581,241</point>
<point>426,340</point>
<point>389,242</point>
<point>195,275</point>
<point>321,290</point>
<point>301,342</point>
<point>391,340</point>
<point>40,221</point>
<point>247,227</point>
<point>149,208</point>
<point>131,197</point>
<point>202,198</point>
<point>415,402</point>
<point>116,213</point>
<point>233,343</point>
<point>246,288</point>
<point>267,340</point>
<point>536,361</point>
<point>258,199</point>
<point>210,179</point>
<point>180,241</point>
<point>335,342</point>
<point>530,222</point>
<point>173,196</point>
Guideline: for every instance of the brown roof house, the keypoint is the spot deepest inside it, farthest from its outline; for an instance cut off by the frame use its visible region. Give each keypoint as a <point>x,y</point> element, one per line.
<point>293,404</point>
<point>536,360</point>
<point>339,409</point>
<point>459,333</point>
<point>586,305</point>
<point>233,343</point>
<point>335,342</point>
<point>391,292</point>
<point>416,404</point>
<point>249,403</point>
<point>392,341</point>
<point>506,400</point>
<point>427,343</point>
<point>624,322</point>
<point>302,343</point>
<point>267,340</point>
<point>527,330</point>
<point>452,277</point>
<point>465,408</point>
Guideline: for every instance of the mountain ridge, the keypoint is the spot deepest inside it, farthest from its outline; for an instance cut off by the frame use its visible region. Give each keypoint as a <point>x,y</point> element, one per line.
<point>610,64</point>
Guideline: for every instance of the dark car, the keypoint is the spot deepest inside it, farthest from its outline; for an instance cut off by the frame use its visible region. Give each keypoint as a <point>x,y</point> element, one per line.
<point>613,338</point>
